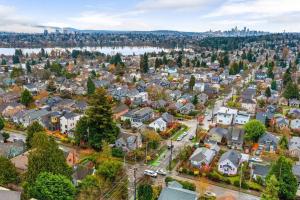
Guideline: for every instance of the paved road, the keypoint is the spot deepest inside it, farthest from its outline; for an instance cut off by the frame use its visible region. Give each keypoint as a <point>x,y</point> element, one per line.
<point>221,192</point>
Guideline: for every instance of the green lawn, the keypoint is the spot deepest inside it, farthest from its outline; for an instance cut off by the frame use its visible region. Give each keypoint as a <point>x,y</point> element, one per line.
<point>162,152</point>
<point>180,132</point>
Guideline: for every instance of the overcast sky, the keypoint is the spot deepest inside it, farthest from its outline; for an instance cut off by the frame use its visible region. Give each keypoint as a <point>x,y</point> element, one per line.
<point>181,15</point>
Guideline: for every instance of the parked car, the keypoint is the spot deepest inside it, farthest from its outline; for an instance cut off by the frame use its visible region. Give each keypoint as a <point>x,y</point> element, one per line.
<point>150,173</point>
<point>161,172</point>
<point>209,194</point>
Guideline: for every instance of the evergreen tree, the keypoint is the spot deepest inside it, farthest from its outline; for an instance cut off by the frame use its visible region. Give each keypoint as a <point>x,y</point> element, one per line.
<point>1,123</point>
<point>268,92</point>
<point>271,191</point>
<point>282,169</point>
<point>26,98</point>
<point>145,192</point>
<point>98,124</point>
<point>46,157</point>
<point>291,91</point>
<point>8,172</point>
<point>274,85</point>
<point>195,100</point>
<point>144,63</point>
<point>90,86</point>
<point>28,67</point>
<point>157,63</point>
<point>192,82</point>
<point>31,130</point>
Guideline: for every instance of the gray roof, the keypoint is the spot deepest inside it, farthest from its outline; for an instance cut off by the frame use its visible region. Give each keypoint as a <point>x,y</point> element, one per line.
<point>260,169</point>
<point>174,192</point>
<point>9,195</point>
<point>233,156</point>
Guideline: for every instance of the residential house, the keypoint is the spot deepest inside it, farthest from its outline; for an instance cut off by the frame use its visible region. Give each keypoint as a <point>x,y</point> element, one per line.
<point>10,97</point>
<point>294,112</point>
<point>296,171</point>
<point>226,115</point>
<point>242,118</point>
<point>202,157</point>
<point>168,118</point>
<point>187,108</point>
<point>259,170</point>
<point>8,110</point>
<point>81,171</point>
<point>249,105</point>
<point>32,88</point>
<point>295,124</point>
<point>262,117</point>
<point>68,122</point>
<point>10,150</point>
<point>159,124</point>
<point>29,116</point>
<point>235,138</point>
<point>119,111</point>
<point>139,115</point>
<point>175,191</point>
<point>294,146</point>
<point>128,142</point>
<point>202,98</point>
<point>294,103</point>
<point>217,135</point>
<point>21,162</point>
<point>51,121</point>
<point>282,122</point>
<point>268,142</point>
<point>229,162</point>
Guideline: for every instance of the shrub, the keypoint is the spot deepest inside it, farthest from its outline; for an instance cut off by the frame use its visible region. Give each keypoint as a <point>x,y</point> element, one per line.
<point>117,152</point>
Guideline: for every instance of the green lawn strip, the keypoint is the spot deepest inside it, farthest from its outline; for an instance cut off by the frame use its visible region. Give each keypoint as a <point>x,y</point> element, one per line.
<point>161,153</point>
<point>180,132</point>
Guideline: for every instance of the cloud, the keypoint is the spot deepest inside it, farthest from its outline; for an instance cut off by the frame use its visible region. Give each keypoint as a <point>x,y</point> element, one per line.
<point>108,21</point>
<point>171,4</point>
<point>11,21</point>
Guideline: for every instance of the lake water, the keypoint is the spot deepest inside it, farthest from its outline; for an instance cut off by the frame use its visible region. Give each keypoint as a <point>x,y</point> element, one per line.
<point>107,50</point>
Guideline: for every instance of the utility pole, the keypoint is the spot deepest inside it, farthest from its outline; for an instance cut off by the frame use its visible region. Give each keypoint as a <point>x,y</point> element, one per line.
<point>146,151</point>
<point>134,174</point>
<point>170,162</point>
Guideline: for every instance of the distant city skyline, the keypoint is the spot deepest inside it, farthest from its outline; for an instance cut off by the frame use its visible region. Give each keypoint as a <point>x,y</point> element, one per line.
<point>147,15</point>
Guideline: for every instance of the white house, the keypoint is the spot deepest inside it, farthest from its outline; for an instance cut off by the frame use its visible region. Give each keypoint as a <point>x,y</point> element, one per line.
<point>242,118</point>
<point>159,124</point>
<point>295,124</point>
<point>68,121</point>
<point>199,87</point>
<point>294,146</point>
<point>143,96</point>
<point>229,162</point>
<point>226,115</point>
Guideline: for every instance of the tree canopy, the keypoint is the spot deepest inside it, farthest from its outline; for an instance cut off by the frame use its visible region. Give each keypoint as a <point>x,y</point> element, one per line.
<point>33,128</point>
<point>97,124</point>
<point>46,157</point>
<point>282,170</point>
<point>90,87</point>
<point>26,98</point>
<point>8,172</point>
<point>272,188</point>
<point>145,192</point>
<point>50,186</point>
<point>254,129</point>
